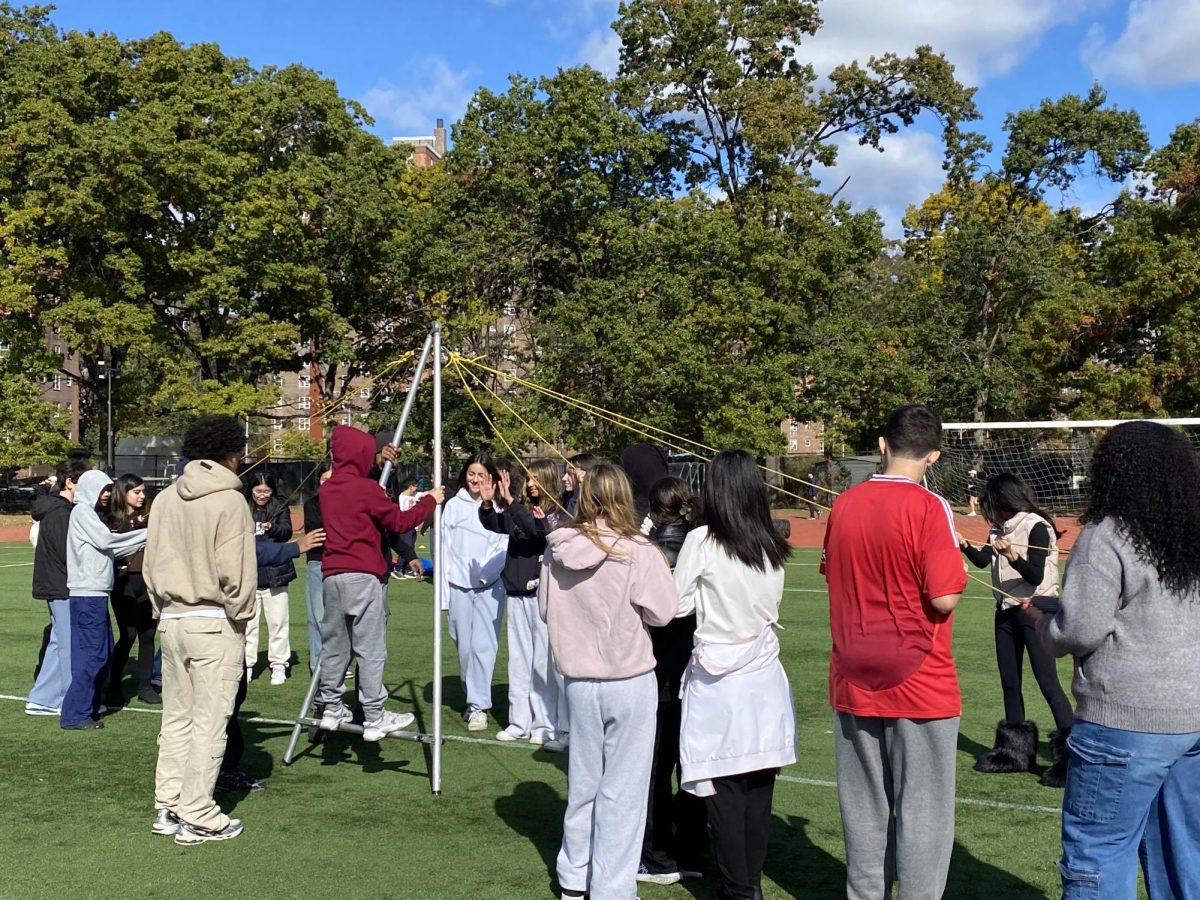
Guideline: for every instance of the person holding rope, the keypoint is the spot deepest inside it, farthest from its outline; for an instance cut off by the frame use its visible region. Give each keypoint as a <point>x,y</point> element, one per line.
<point>1129,615</point>
<point>358,515</point>
<point>601,584</point>
<point>471,560</point>
<point>1018,524</point>
<point>532,689</point>
<point>895,577</point>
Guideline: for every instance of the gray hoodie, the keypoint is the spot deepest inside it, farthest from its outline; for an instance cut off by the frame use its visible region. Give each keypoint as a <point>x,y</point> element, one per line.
<point>1136,644</point>
<point>91,547</point>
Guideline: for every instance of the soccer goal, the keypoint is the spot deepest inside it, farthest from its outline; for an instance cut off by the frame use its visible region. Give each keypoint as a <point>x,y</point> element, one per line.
<point>1053,458</point>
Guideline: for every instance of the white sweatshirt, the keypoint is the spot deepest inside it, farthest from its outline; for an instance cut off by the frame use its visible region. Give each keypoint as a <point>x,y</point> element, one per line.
<point>732,601</point>
<point>471,556</point>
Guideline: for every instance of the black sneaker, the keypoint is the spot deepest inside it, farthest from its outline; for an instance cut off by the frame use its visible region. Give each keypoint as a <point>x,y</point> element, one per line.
<point>230,782</point>
<point>150,695</point>
<point>85,725</point>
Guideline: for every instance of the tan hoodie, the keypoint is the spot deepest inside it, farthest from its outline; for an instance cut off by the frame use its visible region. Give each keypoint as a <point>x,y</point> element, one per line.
<point>200,545</point>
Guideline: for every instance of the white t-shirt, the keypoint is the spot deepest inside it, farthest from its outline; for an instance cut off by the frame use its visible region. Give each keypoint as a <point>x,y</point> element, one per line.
<point>732,601</point>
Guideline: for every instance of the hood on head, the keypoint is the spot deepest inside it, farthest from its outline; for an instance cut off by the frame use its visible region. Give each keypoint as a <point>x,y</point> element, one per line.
<point>353,451</point>
<point>89,487</point>
<point>575,550</point>
<point>645,464</point>
<point>203,477</point>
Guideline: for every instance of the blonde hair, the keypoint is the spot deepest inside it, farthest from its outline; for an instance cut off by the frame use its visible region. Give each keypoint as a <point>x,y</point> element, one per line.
<point>545,473</point>
<point>606,495</point>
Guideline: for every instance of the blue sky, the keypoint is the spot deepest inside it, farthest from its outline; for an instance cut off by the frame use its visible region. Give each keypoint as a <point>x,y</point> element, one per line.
<point>411,62</point>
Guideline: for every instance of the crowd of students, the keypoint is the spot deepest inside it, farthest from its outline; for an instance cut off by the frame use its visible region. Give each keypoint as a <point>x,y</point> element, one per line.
<point>642,630</point>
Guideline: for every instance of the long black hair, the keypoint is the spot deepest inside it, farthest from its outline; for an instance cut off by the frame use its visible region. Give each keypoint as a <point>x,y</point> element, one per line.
<point>118,511</point>
<point>257,478</point>
<point>738,512</point>
<point>484,459</point>
<point>1005,495</point>
<point>1146,478</point>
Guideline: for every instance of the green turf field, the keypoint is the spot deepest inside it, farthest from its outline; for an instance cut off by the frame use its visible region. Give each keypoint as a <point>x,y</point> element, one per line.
<point>349,820</point>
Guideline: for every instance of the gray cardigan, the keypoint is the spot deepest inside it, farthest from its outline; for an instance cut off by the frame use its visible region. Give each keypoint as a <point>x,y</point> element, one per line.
<point>1136,645</point>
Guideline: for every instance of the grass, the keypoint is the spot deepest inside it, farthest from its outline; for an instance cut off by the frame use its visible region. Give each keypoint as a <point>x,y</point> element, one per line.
<point>355,820</point>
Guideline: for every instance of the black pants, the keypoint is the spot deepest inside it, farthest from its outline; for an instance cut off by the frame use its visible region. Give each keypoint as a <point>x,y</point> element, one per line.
<point>740,816</point>
<point>235,742</point>
<point>1015,633</point>
<point>135,622</point>
<point>676,823</point>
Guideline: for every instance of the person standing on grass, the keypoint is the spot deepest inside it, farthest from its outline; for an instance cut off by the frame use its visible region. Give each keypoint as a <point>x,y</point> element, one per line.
<point>272,522</point>
<point>201,574</point>
<point>91,549</point>
<point>1129,614</point>
<point>1022,551</point>
<point>471,561</point>
<point>126,512</point>
<point>314,603</point>
<point>532,690</point>
<point>895,576</point>
<point>601,584</point>
<point>358,516</point>
<point>676,839</point>
<point>53,512</point>
<point>738,723</point>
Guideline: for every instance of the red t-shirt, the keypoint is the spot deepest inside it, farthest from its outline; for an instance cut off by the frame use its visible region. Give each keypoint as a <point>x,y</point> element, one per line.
<point>889,549</point>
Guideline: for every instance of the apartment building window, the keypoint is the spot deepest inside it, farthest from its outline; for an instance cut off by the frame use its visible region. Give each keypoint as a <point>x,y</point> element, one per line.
<point>510,330</point>
<point>304,403</point>
<point>304,381</point>
<point>303,424</point>
<point>276,447</point>
<point>70,381</point>
<point>277,380</point>
<point>347,418</point>
<point>58,349</point>
<point>277,425</point>
<point>365,393</point>
<point>57,382</point>
<point>510,310</point>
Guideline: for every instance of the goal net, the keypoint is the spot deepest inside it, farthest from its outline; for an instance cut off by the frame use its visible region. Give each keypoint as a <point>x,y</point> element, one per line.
<point>1053,458</point>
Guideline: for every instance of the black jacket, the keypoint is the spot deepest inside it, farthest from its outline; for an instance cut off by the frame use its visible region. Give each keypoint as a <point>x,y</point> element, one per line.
<point>312,522</point>
<point>277,513</point>
<point>669,539</point>
<point>526,544</point>
<point>53,514</point>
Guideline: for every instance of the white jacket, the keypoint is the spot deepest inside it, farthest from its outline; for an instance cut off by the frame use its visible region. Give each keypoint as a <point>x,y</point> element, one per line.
<point>470,556</point>
<point>737,712</point>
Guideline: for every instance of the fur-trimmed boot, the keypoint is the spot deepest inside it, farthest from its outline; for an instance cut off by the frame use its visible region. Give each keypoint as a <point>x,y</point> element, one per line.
<point>1015,749</point>
<point>1056,775</point>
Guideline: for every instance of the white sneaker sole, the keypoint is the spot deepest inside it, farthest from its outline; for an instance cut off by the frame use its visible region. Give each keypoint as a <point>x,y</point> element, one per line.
<point>188,838</point>
<point>41,711</point>
<point>377,733</point>
<point>165,830</point>
<point>658,878</point>
<point>507,737</point>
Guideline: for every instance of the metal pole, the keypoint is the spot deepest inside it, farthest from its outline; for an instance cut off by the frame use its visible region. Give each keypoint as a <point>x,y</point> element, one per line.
<point>435,774</point>
<point>308,701</point>
<point>109,373</point>
<point>408,405</point>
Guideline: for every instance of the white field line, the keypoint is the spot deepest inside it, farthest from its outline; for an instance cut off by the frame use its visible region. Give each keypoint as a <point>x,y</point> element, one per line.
<point>521,745</point>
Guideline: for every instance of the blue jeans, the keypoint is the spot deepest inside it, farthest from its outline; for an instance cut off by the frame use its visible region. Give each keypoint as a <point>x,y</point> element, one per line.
<point>1121,785</point>
<point>55,676</point>
<point>91,650</point>
<point>314,601</point>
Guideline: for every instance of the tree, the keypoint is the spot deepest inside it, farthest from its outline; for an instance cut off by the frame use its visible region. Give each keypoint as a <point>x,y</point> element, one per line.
<point>32,432</point>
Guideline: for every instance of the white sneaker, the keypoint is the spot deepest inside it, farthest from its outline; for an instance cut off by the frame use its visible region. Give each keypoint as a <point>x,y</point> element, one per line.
<point>506,736</point>
<point>477,720</point>
<point>278,674</point>
<point>334,717</point>
<point>387,723</point>
<point>35,709</point>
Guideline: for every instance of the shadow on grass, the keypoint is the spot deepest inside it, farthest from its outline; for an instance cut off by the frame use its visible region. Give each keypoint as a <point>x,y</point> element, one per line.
<point>973,879</point>
<point>536,810</point>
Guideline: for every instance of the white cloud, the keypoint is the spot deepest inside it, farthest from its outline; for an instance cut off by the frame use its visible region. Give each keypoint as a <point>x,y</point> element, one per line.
<point>573,15</point>
<point>1157,47</point>
<point>908,171</point>
<point>432,89</point>
<point>983,38</point>
<point>602,51</point>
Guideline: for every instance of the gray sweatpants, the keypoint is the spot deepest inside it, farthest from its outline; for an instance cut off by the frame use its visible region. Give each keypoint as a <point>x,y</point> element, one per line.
<point>355,622</point>
<point>608,779</point>
<point>896,792</point>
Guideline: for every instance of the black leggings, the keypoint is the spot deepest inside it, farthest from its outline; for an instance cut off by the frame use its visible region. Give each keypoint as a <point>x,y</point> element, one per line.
<point>135,622</point>
<point>1015,633</point>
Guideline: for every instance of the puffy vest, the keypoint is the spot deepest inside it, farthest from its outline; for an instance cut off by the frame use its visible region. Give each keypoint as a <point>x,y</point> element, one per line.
<point>1006,578</point>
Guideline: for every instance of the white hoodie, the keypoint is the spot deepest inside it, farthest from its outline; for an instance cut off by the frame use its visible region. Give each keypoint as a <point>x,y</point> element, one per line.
<point>471,556</point>
<point>91,547</point>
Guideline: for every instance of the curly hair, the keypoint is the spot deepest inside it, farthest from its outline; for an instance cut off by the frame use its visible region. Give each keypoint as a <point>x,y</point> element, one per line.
<point>1146,478</point>
<point>214,438</point>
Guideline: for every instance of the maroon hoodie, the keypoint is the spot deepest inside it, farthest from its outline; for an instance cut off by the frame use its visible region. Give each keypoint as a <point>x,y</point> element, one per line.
<point>356,509</point>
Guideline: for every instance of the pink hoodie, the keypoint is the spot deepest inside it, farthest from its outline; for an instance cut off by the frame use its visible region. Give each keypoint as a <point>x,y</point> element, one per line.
<point>597,605</point>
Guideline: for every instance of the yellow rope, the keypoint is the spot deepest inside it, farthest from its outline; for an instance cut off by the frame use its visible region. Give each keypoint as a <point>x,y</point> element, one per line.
<point>462,375</point>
